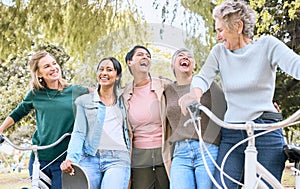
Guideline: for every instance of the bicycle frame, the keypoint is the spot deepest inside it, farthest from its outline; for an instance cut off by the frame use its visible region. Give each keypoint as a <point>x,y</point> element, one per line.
<point>297,175</point>
<point>251,180</point>
<point>37,174</point>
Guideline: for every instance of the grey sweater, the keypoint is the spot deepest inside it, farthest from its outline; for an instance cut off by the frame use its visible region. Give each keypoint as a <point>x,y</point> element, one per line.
<point>248,75</point>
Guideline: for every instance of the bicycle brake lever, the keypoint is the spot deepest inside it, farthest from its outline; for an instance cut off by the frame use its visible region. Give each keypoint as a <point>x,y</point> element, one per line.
<point>1,139</point>
<point>194,108</point>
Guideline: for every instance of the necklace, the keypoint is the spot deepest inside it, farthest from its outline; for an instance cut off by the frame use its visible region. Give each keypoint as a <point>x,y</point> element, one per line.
<point>111,103</point>
<point>108,101</point>
<point>51,97</point>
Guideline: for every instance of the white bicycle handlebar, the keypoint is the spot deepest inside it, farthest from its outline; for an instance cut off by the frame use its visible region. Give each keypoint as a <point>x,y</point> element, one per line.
<point>256,126</point>
<point>252,180</point>
<point>37,174</point>
<point>33,147</point>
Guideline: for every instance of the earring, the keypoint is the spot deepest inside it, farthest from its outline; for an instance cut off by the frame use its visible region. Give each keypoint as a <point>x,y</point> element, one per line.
<point>40,79</point>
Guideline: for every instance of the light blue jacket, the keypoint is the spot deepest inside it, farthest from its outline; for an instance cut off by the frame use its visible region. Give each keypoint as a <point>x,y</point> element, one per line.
<point>86,135</point>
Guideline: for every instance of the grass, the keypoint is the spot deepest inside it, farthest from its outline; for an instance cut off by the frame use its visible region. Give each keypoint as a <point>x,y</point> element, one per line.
<point>16,180</point>
<point>287,179</point>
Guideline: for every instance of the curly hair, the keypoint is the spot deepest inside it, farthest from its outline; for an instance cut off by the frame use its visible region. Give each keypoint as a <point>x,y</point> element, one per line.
<point>231,12</point>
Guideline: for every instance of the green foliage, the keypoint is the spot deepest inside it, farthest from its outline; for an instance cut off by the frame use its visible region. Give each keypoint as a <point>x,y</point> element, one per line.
<point>204,9</point>
<point>112,44</point>
<point>288,97</point>
<point>71,30</point>
<point>161,62</point>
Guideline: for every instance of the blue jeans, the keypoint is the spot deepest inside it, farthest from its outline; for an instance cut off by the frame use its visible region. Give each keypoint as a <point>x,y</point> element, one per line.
<point>270,154</point>
<point>52,171</point>
<point>108,169</point>
<point>187,169</point>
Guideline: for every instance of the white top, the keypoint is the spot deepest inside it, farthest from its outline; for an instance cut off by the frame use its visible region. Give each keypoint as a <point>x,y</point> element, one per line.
<point>112,137</point>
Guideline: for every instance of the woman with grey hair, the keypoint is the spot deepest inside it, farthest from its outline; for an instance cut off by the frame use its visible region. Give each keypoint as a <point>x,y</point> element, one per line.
<point>247,68</point>
<point>187,168</point>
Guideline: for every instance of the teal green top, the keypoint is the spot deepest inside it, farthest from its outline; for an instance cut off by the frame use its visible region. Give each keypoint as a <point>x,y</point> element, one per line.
<point>55,116</point>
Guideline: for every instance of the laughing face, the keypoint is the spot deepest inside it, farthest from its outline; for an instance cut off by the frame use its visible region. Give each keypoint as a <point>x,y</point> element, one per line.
<point>141,61</point>
<point>184,63</point>
<point>106,74</point>
<point>230,38</point>
<point>49,70</point>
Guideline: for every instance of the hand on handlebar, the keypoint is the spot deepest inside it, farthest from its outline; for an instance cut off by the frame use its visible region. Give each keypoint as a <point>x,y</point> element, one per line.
<point>66,166</point>
<point>277,107</point>
<point>193,96</point>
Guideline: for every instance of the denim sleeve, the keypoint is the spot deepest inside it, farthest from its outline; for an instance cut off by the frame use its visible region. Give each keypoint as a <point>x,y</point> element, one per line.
<point>75,148</point>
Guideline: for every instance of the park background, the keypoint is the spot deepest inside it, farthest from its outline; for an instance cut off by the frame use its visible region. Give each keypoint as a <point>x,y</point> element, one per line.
<point>81,32</point>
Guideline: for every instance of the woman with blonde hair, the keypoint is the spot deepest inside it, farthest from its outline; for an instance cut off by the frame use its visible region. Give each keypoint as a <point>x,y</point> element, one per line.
<point>52,98</point>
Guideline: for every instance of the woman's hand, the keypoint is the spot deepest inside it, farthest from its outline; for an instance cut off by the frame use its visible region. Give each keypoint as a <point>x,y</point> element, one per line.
<point>193,96</point>
<point>66,166</point>
<point>277,107</point>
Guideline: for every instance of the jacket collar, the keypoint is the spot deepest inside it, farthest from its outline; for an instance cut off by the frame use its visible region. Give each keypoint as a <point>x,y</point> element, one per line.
<point>153,86</point>
<point>96,97</point>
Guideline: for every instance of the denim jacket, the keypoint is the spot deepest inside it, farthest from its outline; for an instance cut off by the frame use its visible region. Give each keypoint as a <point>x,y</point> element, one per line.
<point>86,135</point>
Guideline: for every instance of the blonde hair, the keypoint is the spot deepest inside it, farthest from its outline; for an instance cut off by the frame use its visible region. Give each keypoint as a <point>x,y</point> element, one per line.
<point>230,12</point>
<point>39,83</point>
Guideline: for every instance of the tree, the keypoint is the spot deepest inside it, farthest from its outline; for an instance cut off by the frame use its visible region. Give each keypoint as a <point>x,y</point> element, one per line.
<point>67,29</point>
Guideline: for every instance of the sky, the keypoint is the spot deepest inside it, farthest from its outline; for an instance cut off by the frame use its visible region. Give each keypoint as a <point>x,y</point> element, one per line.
<point>174,35</point>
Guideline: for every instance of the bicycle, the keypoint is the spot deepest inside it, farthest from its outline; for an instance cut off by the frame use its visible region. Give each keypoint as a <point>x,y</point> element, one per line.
<point>253,175</point>
<point>39,180</point>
